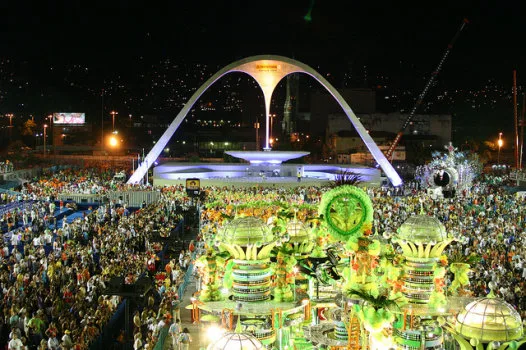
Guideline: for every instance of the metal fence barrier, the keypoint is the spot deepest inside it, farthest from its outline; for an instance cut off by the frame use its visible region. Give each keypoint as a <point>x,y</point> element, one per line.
<point>129,198</point>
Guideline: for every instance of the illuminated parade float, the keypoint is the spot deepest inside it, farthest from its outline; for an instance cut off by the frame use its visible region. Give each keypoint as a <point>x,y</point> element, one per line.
<point>448,173</point>
<point>279,276</point>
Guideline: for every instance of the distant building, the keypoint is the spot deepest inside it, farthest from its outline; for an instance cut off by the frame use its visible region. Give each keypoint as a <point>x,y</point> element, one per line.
<point>436,125</point>
<point>348,147</point>
<point>323,105</point>
<point>330,122</point>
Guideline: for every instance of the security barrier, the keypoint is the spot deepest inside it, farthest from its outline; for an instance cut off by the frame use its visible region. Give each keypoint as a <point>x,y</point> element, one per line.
<point>128,198</point>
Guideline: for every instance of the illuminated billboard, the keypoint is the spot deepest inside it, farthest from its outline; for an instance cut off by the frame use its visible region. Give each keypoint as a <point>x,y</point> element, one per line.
<point>69,118</point>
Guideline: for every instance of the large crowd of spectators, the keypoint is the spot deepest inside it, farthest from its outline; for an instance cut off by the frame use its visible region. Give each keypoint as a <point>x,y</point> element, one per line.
<point>52,276</point>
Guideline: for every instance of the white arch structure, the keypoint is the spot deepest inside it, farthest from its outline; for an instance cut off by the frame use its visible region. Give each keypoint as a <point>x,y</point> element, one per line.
<point>267,70</point>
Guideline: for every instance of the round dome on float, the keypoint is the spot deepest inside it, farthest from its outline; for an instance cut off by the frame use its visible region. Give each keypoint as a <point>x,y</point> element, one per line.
<point>489,319</point>
<point>246,230</point>
<point>236,341</point>
<point>297,231</point>
<point>422,229</point>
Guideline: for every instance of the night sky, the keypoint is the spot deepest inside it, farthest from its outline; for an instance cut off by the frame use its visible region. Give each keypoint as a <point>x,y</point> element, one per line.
<point>385,35</point>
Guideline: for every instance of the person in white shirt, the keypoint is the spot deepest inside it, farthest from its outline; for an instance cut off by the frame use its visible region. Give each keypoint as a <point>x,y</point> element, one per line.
<point>158,327</point>
<point>174,331</point>
<point>15,343</point>
<point>67,343</point>
<point>181,258</point>
<point>52,342</point>
<point>48,237</point>
<point>36,241</point>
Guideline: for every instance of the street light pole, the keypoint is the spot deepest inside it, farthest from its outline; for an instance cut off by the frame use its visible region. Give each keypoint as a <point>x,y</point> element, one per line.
<point>45,127</point>
<point>113,113</point>
<point>10,115</point>
<point>50,117</point>
<point>499,142</point>
<point>256,126</point>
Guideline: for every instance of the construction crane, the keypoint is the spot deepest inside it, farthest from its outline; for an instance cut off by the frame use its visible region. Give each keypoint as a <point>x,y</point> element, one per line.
<point>420,99</point>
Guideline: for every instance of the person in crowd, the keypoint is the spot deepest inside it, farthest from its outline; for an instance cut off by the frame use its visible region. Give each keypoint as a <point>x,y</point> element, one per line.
<point>184,339</point>
<point>137,342</point>
<point>173,331</point>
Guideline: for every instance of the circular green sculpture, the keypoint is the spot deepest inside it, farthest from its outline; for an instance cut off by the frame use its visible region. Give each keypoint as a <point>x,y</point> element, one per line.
<point>345,210</point>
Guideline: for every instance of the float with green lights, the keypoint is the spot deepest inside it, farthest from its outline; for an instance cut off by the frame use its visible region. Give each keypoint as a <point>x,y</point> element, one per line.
<point>318,276</point>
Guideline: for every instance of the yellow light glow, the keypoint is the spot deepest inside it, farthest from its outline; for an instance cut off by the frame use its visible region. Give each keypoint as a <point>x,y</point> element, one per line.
<point>113,141</point>
<point>213,333</point>
<point>500,142</point>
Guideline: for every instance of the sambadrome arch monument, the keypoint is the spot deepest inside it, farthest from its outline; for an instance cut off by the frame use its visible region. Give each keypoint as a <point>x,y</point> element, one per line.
<point>267,70</point>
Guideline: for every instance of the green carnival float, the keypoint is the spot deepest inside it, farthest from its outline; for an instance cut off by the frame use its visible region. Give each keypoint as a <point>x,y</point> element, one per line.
<point>319,277</point>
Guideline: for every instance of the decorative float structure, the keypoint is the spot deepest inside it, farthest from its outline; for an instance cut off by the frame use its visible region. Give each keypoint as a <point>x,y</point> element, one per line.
<point>236,341</point>
<point>249,242</point>
<point>290,278</point>
<point>448,173</point>
<point>423,239</point>
<point>488,323</point>
<point>245,245</point>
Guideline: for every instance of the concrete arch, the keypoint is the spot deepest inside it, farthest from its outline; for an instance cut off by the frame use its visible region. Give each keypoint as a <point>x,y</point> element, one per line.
<point>267,70</point>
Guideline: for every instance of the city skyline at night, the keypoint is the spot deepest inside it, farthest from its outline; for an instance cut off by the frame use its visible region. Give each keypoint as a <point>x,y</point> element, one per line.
<point>148,61</point>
